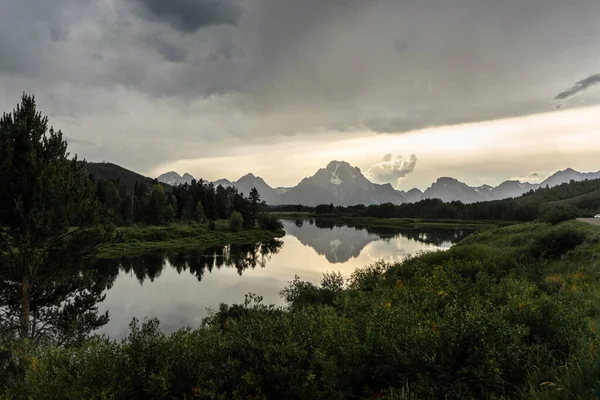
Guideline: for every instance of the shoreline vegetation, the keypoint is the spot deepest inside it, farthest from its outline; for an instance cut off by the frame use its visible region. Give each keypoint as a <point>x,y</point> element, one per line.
<point>400,223</point>
<point>138,239</point>
<point>509,312</point>
<point>135,240</point>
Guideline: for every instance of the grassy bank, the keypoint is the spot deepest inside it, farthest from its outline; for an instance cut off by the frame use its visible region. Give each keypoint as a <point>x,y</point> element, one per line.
<point>510,312</point>
<point>371,222</point>
<point>141,239</point>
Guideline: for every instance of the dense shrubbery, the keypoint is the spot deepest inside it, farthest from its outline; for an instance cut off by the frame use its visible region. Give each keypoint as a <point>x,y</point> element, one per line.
<point>509,312</point>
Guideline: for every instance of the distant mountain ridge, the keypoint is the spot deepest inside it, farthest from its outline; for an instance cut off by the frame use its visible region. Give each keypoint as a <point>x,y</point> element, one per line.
<point>174,179</point>
<point>339,183</point>
<point>450,189</point>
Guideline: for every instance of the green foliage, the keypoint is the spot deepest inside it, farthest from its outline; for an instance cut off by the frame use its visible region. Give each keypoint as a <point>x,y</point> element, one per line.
<point>504,314</point>
<point>200,217</point>
<point>138,239</point>
<point>236,221</point>
<point>133,199</point>
<point>558,213</point>
<point>270,223</point>
<point>157,211</point>
<point>50,226</point>
<point>554,243</point>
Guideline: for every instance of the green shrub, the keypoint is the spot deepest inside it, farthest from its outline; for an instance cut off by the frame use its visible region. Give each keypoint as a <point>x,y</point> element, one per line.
<point>509,313</point>
<point>236,221</point>
<point>556,242</point>
<point>559,213</point>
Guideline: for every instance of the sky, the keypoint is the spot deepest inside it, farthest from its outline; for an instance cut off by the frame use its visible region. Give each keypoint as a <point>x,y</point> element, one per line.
<point>409,91</point>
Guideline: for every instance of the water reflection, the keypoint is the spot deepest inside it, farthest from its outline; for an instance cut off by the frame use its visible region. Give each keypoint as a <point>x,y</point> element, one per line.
<point>150,266</point>
<point>340,243</point>
<point>177,287</point>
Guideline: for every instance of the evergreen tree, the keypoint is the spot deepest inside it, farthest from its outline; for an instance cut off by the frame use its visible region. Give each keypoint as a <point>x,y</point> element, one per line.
<point>200,217</point>
<point>174,205</point>
<point>141,198</point>
<point>254,207</point>
<point>188,211</point>
<point>49,227</point>
<point>157,213</point>
<point>221,200</point>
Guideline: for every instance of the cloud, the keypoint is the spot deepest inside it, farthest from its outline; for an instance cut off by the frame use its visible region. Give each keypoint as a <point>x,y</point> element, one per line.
<point>532,177</point>
<point>188,16</point>
<point>160,81</point>
<point>579,87</point>
<point>392,169</point>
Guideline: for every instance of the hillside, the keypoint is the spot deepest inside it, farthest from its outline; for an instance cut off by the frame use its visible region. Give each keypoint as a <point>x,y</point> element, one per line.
<point>113,172</point>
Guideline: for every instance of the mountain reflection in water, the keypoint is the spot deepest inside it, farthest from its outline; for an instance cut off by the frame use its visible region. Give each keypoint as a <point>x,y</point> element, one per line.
<point>177,287</point>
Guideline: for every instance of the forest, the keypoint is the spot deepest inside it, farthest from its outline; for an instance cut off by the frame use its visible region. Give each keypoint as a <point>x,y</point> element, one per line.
<point>159,204</point>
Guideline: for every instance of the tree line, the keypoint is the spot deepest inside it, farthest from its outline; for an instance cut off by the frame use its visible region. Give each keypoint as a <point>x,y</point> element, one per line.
<point>158,204</point>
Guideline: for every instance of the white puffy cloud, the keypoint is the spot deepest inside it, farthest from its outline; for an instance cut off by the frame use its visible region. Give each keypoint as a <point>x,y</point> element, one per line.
<point>392,169</point>
<point>532,177</point>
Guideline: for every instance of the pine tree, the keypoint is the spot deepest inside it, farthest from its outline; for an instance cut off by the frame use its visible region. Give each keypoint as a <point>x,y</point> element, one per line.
<point>200,217</point>
<point>49,227</point>
<point>157,213</point>
<point>254,207</point>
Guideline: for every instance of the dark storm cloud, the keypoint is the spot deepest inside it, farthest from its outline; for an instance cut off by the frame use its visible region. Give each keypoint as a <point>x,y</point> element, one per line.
<point>579,87</point>
<point>57,32</point>
<point>190,15</point>
<point>241,72</point>
<point>168,50</point>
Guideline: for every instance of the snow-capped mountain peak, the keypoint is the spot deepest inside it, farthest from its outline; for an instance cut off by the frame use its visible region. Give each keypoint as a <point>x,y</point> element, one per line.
<point>174,179</point>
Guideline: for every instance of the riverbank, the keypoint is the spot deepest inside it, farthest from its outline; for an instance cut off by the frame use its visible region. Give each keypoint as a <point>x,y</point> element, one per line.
<point>135,240</point>
<point>510,312</point>
<point>371,222</point>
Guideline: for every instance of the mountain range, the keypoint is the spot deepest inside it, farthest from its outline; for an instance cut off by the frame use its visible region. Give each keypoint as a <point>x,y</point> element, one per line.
<point>339,183</point>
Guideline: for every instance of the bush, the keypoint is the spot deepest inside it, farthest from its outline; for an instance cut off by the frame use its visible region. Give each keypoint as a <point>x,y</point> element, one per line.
<point>557,214</point>
<point>236,221</point>
<point>556,242</point>
<point>477,321</point>
<point>270,223</point>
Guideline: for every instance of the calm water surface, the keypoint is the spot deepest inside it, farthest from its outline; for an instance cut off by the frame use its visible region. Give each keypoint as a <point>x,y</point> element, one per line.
<point>178,287</point>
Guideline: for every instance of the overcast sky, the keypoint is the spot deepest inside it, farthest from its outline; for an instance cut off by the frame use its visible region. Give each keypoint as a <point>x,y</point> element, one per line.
<point>482,90</point>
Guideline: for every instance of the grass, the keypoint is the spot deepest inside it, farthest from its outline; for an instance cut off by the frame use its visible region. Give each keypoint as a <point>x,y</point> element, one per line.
<point>141,239</point>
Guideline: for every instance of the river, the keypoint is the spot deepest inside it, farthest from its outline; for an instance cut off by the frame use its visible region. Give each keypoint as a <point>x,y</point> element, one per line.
<point>177,288</point>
